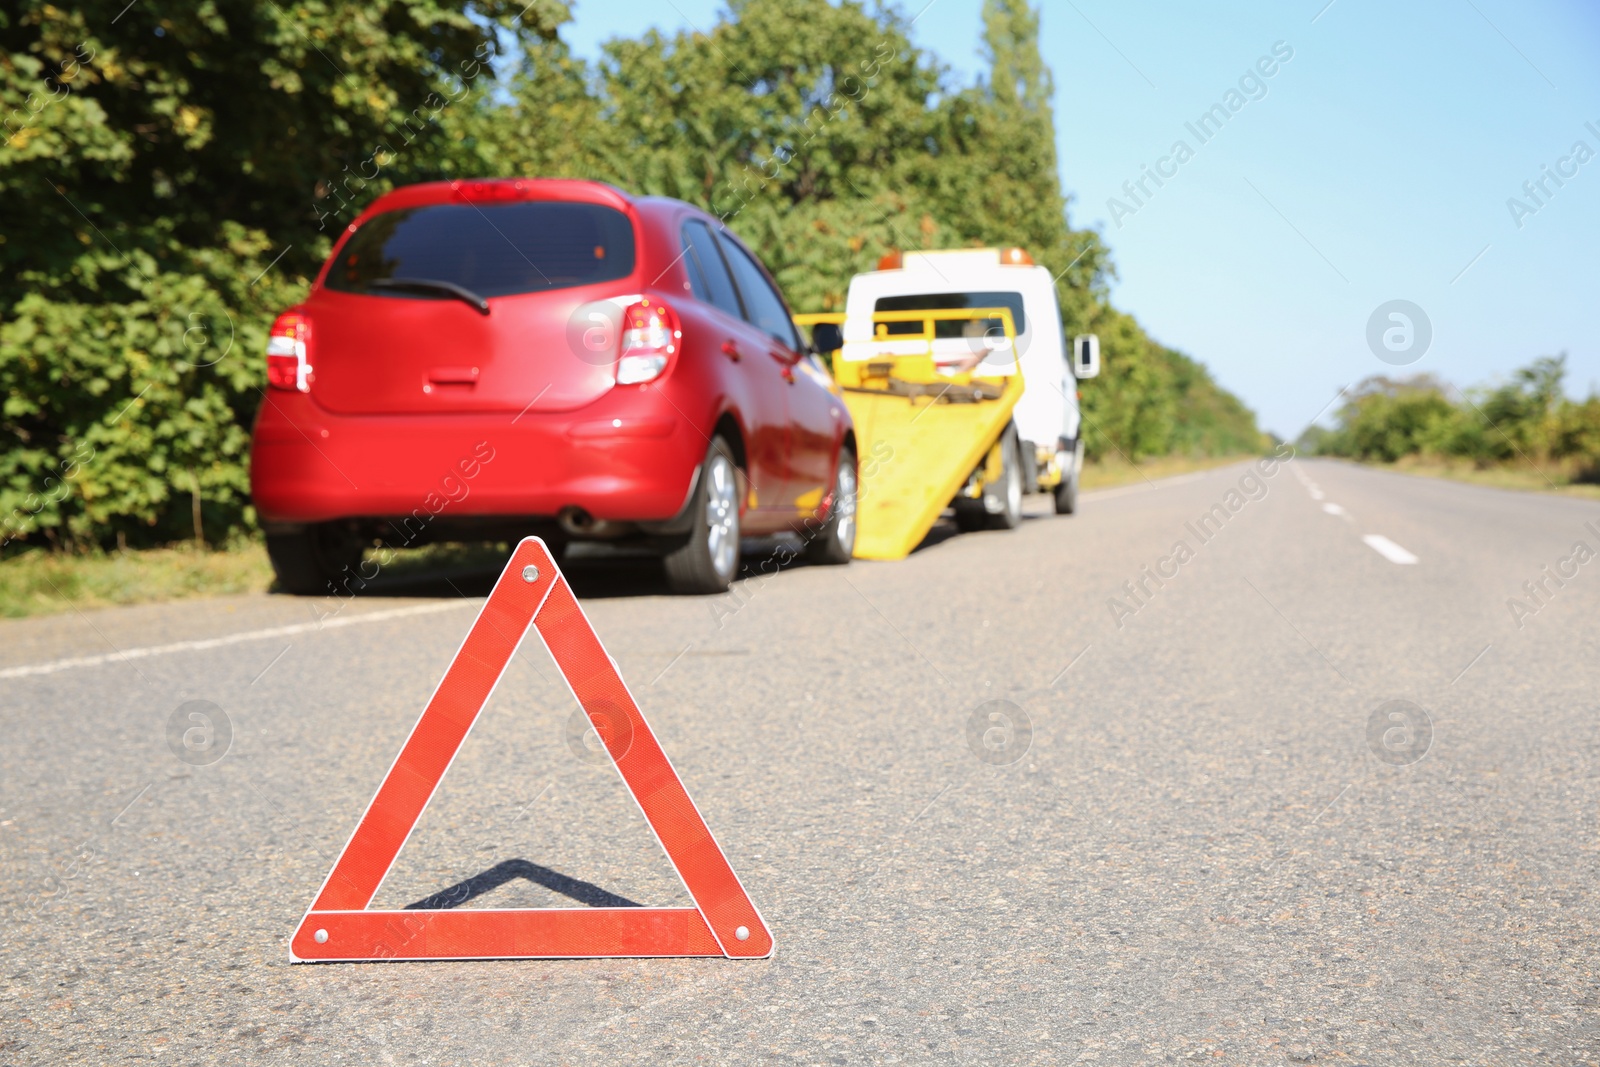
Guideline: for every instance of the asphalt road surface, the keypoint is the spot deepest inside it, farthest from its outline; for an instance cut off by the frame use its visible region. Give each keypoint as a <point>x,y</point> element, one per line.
<point>1201,829</point>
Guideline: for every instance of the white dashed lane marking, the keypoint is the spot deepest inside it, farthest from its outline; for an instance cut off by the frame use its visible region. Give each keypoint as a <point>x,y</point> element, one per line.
<point>123,655</point>
<point>1377,542</point>
<point>1388,549</point>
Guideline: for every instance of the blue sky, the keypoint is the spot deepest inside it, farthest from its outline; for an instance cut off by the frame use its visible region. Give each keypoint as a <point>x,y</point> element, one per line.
<point>1377,166</point>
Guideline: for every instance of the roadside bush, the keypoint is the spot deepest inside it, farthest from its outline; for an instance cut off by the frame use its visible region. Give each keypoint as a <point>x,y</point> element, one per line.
<point>1528,418</point>
<point>1386,419</point>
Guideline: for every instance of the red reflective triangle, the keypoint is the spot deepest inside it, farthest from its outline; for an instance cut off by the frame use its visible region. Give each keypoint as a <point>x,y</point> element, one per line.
<point>723,921</point>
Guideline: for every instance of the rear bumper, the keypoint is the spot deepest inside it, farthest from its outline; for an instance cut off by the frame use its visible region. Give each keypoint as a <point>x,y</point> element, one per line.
<point>617,460</point>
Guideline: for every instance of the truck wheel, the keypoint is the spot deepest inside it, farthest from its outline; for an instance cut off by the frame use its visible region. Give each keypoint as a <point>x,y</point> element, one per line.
<point>835,542</point>
<point>709,560</point>
<point>1030,466</point>
<point>1067,496</point>
<point>970,515</point>
<point>1000,506</point>
<point>311,561</point>
<point>1009,491</point>
<point>1066,493</point>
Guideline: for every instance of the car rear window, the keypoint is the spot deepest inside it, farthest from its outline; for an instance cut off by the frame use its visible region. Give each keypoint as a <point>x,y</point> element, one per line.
<point>950,302</point>
<point>489,249</point>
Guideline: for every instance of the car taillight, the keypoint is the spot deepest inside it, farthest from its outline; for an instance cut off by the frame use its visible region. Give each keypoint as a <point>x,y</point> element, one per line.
<point>650,335</point>
<point>491,190</point>
<point>289,353</point>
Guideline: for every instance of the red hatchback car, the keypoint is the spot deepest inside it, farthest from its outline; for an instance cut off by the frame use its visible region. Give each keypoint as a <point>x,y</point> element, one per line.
<point>481,360</point>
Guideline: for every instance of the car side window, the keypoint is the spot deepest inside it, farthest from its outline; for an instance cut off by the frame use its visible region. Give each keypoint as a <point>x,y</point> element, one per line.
<point>762,304</point>
<point>708,274</point>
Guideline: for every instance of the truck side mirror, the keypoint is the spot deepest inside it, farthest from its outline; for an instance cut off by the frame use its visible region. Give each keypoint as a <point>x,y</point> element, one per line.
<point>1086,355</point>
<point>827,336</point>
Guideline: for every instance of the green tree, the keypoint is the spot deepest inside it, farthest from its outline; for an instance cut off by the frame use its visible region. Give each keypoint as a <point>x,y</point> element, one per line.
<point>171,176</point>
<point>1129,410</point>
<point>1008,189</point>
<point>824,149</point>
<point>1386,418</point>
<point>1207,419</point>
<point>1521,414</point>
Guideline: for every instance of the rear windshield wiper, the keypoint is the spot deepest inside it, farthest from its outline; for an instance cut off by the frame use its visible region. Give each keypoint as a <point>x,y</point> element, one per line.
<point>429,285</point>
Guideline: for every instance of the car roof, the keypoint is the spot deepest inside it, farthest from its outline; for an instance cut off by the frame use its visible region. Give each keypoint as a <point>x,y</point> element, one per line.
<point>502,190</point>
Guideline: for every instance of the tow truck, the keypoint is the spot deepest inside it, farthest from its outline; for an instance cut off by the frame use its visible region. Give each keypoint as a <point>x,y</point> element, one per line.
<point>963,391</point>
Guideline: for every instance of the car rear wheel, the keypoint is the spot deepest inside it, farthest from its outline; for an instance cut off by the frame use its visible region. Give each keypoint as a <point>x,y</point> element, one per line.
<point>835,542</point>
<point>313,560</point>
<point>708,561</point>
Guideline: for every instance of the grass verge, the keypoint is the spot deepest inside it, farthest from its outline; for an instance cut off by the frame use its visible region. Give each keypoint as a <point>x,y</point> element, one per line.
<point>38,582</point>
<point>1114,471</point>
<point>1552,478</point>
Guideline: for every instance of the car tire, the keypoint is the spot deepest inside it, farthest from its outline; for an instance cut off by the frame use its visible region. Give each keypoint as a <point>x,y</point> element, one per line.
<point>709,560</point>
<point>311,561</point>
<point>835,542</point>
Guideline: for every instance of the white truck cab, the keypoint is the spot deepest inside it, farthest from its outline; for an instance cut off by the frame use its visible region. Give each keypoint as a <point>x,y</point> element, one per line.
<point>1046,418</point>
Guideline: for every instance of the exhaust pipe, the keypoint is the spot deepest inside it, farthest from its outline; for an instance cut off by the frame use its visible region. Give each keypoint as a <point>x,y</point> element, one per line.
<point>579,523</point>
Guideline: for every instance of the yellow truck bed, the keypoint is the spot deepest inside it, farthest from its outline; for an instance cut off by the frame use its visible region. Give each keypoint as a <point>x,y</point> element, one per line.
<point>920,433</point>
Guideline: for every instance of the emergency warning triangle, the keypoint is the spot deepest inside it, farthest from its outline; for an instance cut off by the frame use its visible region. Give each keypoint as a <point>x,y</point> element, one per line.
<point>723,921</point>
